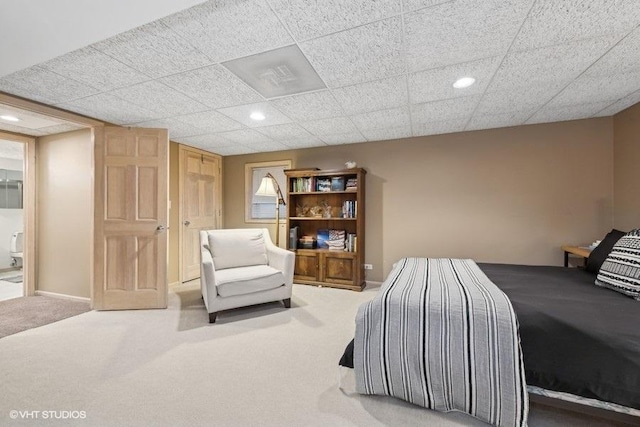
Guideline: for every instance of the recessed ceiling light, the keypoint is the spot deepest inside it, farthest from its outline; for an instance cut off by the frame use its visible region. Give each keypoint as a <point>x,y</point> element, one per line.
<point>257,115</point>
<point>10,118</point>
<point>464,82</point>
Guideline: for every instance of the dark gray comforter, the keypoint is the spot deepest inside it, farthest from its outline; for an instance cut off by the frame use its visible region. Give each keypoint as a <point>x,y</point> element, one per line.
<point>576,337</point>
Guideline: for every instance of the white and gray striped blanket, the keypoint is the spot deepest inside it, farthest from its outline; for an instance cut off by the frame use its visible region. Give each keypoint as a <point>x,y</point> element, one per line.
<point>441,335</point>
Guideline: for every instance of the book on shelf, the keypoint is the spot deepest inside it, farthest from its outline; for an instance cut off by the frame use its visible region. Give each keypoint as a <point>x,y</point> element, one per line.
<point>349,208</point>
<point>350,244</point>
<point>337,183</point>
<point>302,185</point>
<point>324,185</point>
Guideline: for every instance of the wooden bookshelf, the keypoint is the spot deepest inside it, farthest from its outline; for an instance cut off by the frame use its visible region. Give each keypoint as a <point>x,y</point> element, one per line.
<point>319,201</point>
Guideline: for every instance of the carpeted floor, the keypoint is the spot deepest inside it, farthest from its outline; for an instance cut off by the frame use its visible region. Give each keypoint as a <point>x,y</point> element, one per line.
<point>257,366</point>
<point>20,314</point>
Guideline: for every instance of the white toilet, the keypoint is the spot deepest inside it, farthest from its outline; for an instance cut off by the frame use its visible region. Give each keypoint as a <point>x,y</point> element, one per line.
<point>15,249</point>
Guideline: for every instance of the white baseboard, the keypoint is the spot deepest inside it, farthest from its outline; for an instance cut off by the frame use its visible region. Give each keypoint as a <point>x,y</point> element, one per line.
<point>373,284</point>
<point>63,296</point>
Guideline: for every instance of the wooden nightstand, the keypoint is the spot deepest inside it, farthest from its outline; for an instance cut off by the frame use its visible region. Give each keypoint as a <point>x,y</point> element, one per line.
<point>575,250</point>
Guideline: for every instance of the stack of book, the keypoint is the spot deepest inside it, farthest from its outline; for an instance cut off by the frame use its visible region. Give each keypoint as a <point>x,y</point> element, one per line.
<point>307,242</point>
<point>352,184</point>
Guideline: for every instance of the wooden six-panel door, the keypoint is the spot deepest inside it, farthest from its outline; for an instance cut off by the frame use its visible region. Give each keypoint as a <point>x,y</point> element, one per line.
<point>200,195</point>
<point>130,218</point>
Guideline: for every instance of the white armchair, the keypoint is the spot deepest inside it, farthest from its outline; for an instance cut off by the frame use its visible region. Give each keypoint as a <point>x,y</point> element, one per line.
<point>241,267</point>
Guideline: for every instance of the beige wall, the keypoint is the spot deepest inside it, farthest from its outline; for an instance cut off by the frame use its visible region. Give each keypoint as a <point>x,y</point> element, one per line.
<point>174,225</point>
<point>511,195</point>
<point>64,213</point>
<point>626,158</point>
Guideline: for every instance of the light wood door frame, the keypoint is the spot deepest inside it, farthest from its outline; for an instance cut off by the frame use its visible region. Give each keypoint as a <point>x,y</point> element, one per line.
<point>29,213</point>
<point>183,150</point>
<point>130,218</point>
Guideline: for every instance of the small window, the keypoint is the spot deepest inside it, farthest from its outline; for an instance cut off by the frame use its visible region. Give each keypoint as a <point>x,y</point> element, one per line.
<point>263,208</point>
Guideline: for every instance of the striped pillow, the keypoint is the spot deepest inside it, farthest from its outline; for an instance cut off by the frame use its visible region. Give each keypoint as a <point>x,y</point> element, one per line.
<point>621,269</point>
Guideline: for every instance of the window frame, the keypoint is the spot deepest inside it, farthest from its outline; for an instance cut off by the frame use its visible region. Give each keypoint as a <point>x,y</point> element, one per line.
<point>250,189</point>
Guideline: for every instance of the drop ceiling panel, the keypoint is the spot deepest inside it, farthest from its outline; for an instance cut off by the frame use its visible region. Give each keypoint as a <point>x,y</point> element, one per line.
<point>409,5</point>
<point>244,136</point>
<point>557,22</point>
<point>567,112</point>
<point>394,117</point>
<point>620,105</point>
<point>491,121</point>
<point>372,96</point>
<point>266,146</point>
<point>395,132</point>
<point>337,125</point>
<point>369,52</point>
<point>461,31</point>
<point>437,84</point>
<point>109,108</point>
<point>307,20</point>
<point>448,109</point>
<point>343,138</point>
<point>525,100</point>
<point>232,150</point>
<point>177,128</point>
<point>309,106</point>
<point>213,86</point>
<point>549,65</point>
<point>95,69</point>
<point>210,121</point>
<point>228,29</point>
<point>622,58</point>
<point>209,141</point>
<point>440,127</point>
<point>285,132</point>
<point>597,89</point>
<point>307,142</point>
<point>42,85</point>
<point>159,98</point>
<point>154,50</point>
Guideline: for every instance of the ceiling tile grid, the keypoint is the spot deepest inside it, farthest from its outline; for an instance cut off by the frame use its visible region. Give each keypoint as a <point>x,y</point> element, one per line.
<point>388,67</point>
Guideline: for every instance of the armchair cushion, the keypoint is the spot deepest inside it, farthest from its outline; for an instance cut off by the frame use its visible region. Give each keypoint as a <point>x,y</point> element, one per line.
<point>240,249</point>
<point>247,280</point>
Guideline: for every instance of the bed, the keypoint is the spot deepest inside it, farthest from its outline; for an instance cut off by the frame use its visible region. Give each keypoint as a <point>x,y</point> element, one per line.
<point>580,342</point>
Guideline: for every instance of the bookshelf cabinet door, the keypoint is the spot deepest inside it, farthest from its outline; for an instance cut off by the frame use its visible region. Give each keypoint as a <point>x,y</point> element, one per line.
<point>339,268</point>
<point>307,267</point>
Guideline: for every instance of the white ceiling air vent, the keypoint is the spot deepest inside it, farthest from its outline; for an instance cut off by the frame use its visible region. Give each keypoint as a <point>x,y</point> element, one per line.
<point>278,72</point>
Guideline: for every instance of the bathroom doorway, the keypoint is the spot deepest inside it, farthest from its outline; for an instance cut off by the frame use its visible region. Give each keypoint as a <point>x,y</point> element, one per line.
<point>12,218</point>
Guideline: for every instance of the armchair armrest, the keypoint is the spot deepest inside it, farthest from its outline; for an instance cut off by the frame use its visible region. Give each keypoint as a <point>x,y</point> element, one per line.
<point>283,260</point>
<point>207,275</point>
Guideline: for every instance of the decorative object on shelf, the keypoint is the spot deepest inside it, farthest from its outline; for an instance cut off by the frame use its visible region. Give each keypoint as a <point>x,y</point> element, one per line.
<point>350,164</point>
<point>323,238</point>
<point>316,211</point>
<point>269,187</point>
<point>326,208</point>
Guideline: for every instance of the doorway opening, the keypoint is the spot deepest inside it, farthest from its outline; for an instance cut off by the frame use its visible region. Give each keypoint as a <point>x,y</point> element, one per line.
<point>12,219</point>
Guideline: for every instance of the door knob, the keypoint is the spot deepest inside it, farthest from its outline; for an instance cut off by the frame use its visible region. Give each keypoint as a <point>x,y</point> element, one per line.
<point>161,228</point>
<point>187,222</point>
